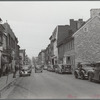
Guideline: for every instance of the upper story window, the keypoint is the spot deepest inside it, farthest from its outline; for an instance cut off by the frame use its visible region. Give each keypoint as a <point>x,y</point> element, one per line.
<point>85,29</point>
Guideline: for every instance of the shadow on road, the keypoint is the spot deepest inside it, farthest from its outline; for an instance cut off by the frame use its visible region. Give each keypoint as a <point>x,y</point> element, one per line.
<point>22,87</point>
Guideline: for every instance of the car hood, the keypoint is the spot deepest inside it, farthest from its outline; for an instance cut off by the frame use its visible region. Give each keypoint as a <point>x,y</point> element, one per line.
<point>87,68</point>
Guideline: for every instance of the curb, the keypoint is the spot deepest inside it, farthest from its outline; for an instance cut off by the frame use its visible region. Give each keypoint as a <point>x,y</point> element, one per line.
<point>7,86</point>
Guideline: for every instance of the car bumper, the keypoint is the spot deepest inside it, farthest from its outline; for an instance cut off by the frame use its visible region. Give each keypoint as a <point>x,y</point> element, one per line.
<point>25,74</point>
<point>67,71</point>
<point>38,70</point>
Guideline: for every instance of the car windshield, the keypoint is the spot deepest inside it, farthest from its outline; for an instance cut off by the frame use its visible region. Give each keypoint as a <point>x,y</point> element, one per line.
<point>25,68</point>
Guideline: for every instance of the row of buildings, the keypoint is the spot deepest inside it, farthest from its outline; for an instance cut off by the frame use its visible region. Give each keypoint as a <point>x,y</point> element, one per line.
<point>10,52</point>
<point>77,42</point>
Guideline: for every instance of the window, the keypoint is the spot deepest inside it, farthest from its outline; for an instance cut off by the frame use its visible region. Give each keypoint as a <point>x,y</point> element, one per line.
<point>85,29</point>
<point>68,58</point>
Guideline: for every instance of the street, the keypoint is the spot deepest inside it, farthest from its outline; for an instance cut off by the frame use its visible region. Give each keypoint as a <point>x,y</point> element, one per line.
<point>49,85</point>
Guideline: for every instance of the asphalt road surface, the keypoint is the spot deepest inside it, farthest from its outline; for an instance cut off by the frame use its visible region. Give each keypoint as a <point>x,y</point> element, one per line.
<point>50,85</point>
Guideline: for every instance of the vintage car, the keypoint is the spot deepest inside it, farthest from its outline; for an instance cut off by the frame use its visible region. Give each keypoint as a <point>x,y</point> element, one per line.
<point>25,70</point>
<point>50,68</point>
<point>60,68</point>
<point>38,68</point>
<point>95,73</point>
<point>84,72</point>
<point>45,67</point>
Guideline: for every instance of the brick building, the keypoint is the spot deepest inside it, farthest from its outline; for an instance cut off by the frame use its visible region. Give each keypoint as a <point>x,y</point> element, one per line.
<point>53,45</point>
<point>41,57</point>
<point>12,47</point>
<point>65,42</point>
<point>48,55</point>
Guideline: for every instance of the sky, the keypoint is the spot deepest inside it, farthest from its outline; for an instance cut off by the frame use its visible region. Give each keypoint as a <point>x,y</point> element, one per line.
<point>34,21</point>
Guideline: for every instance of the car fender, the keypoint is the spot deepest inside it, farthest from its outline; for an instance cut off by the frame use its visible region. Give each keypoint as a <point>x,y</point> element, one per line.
<point>83,72</point>
<point>76,71</point>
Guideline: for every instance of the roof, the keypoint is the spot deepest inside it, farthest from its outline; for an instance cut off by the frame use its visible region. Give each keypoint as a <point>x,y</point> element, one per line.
<point>63,32</point>
<point>22,50</point>
<point>89,20</point>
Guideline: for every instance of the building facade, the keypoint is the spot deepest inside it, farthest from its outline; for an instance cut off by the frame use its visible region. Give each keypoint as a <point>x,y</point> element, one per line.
<point>53,46</point>
<point>12,47</point>
<point>48,55</point>
<point>41,57</point>
<point>87,39</point>
<point>22,56</point>
<point>66,42</point>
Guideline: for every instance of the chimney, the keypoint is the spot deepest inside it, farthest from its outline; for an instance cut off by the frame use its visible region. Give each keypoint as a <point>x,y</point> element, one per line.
<point>80,22</point>
<point>73,25</point>
<point>94,12</point>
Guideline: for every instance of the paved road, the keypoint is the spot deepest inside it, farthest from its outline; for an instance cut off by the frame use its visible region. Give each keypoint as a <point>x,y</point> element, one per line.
<point>49,85</point>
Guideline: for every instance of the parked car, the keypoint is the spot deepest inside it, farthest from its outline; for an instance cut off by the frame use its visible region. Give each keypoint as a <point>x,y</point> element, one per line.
<point>95,73</point>
<point>38,68</point>
<point>50,68</point>
<point>84,72</point>
<point>60,68</point>
<point>45,67</point>
<point>25,71</point>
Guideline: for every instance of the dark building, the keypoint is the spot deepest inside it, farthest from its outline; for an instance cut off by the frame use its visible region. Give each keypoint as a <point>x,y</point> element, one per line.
<point>65,42</point>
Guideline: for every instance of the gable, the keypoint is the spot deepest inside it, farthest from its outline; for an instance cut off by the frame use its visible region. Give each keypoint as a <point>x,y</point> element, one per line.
<point>87,43</point>
<point>95,19</point>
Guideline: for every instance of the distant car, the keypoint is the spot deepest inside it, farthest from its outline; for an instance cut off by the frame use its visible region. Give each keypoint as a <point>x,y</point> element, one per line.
<point>45,67</point>
<point>38,68</point>
<point>95,73</point>
<point>84,73</point>
<point>25,71</point>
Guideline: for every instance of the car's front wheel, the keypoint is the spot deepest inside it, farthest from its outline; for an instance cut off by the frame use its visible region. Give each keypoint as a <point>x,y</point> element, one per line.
<point>76,75</point>
<point>60,71</point>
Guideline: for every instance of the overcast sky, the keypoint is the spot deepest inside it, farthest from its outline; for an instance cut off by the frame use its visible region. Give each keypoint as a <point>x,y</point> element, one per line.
<point>33,22</point>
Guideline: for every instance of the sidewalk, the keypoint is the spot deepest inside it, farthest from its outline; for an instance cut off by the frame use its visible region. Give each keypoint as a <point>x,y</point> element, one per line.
<point>5,83</point>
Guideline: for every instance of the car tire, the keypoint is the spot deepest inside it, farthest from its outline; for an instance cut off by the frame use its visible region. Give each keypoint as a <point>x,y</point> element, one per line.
<point>90,77</point>
<point>20,75</point>
<point>60,71</point>
<point>82,76</point>
<point>76,75</point>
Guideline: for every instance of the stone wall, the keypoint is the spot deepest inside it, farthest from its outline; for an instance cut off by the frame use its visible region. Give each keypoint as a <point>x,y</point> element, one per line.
<point>87,42</point>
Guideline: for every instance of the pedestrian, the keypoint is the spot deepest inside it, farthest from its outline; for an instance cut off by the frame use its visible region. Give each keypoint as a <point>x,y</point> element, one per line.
<point>7,69</point>
<point>79,67</point>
